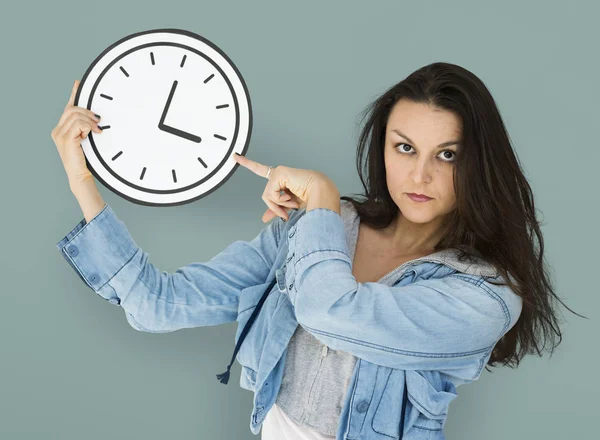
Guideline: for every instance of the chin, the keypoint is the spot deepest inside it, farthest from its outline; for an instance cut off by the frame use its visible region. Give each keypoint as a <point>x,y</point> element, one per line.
<point>418,217</point>
<point>418,214</point>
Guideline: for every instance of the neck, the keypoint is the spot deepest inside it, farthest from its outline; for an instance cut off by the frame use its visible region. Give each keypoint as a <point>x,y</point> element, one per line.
<point>408,238</point>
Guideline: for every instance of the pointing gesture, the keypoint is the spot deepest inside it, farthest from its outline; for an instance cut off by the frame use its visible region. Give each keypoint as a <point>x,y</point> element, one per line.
<point>296,184</point>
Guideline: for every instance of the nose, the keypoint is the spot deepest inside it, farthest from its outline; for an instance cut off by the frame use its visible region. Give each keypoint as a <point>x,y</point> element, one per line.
<point>421,171</point>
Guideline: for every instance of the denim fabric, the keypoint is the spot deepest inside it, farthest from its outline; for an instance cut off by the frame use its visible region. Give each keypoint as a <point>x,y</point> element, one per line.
<point>431,325</point>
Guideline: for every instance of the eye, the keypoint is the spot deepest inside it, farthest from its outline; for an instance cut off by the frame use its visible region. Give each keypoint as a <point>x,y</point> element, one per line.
<point>404,151</point>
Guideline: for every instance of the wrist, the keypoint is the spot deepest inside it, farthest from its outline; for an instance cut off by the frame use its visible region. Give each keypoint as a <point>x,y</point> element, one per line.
<point>89,198</point>
<point>79,180</point>
<point>324,195</point>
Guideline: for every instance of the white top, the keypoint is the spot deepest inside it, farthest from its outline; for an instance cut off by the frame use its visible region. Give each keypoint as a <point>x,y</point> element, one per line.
<point>278,426</point>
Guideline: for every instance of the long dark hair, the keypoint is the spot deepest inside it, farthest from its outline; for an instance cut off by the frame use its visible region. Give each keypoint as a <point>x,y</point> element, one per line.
<point>495,218</point>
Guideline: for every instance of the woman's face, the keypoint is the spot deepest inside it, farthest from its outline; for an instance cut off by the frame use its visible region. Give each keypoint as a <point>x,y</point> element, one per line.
<point>417,161</point>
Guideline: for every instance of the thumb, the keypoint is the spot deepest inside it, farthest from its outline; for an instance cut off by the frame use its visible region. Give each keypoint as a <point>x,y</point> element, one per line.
<point>73,93</point>
<point>268,215</point>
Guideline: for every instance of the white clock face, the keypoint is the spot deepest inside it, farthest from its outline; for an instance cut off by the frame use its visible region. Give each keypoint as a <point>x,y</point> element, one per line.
<point>174,109</point>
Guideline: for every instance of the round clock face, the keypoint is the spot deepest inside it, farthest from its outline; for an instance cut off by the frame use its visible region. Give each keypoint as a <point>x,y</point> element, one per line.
<point>173,108</point>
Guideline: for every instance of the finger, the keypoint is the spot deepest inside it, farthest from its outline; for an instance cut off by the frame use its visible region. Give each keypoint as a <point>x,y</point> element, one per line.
<point>75,109</point>
<point>255,167</point>
<point>73,93</point>
<point>285,199</point>
<point>78,116</point>
<point>68,123</point>
<point>79,128</point>
<point>275,208</point>
<point>286,203</point>
<point>290,204</point>
<point>279,199</point>
<point>268,215</point>
<point>291,195</point>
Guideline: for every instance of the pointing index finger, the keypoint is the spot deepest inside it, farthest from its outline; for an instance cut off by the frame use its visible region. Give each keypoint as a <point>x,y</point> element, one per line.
<point>255,167</point>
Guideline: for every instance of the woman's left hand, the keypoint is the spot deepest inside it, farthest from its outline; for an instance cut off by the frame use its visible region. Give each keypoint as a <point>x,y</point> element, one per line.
<point>296,183</point>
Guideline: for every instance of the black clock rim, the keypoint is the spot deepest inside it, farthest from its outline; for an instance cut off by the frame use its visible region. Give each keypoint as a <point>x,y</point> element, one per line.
<point>244,86</point>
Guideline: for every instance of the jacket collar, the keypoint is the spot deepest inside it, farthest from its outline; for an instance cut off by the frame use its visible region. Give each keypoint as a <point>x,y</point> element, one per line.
<point>448,257</point>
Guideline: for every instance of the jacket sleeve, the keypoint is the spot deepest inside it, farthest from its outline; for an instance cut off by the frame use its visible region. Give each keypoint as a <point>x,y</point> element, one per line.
<point>437,324</point>
<point>108,260</point>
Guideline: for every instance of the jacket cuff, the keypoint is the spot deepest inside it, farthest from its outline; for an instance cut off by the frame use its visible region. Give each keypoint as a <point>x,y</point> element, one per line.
<point>98,249</point>
<point>317,236</point>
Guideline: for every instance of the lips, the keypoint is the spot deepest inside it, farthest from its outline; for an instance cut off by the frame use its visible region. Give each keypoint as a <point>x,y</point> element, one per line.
<point>419,196</point>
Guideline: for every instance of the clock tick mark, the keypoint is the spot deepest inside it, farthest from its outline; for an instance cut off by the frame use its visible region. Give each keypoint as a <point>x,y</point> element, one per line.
<point>183,61</point>
<point>124,71</point>
<point>106,96</point>
<point>152,57</point>
<point>220,137</point>
<point>142,175</point>
<point>223,106</point>
<point>103,127</point>
<point>202,162</point>
<point>174,176</point>
<point>117,155</point>
<point>209,78</point>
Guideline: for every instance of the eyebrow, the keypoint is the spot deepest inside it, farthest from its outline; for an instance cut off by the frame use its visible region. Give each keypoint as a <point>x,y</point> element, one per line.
<point>445,144</point>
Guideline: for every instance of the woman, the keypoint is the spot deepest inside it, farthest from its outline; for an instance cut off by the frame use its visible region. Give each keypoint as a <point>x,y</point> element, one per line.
<point>401,297</point>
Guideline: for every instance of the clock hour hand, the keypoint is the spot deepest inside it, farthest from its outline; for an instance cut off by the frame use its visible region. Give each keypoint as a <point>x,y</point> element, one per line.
<point>172,130</point>
<point>180,133</point>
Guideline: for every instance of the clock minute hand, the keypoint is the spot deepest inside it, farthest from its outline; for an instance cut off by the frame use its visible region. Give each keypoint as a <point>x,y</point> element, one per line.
<point>172,130</point>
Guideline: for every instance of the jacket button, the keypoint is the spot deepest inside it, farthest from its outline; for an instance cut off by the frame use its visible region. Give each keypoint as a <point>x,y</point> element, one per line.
<point>94,278</point>
<point>362,407</point>
<point>115,301</point>
<point>290,286</point>
<point>290,257</point>
<point>291,234</point>
<point>73,251</point>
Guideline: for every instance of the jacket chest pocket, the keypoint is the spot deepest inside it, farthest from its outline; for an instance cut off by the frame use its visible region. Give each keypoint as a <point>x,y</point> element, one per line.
<point>431,397</point>
<point>426,410</point>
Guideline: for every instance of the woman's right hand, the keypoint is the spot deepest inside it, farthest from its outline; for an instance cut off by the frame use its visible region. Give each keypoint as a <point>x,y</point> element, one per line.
<point>74,125</point>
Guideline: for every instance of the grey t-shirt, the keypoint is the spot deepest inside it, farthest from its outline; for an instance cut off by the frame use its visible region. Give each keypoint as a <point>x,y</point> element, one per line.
<point>316,377</point>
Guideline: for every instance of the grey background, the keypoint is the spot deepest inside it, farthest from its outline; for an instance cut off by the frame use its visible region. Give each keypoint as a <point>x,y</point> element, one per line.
<point>72,368</point>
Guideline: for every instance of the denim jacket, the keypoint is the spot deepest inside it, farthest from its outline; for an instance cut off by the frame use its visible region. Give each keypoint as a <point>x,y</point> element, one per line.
<point>430,328</point>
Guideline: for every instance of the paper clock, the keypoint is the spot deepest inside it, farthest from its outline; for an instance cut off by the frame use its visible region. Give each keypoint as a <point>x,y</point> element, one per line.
<point>174,109</point>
